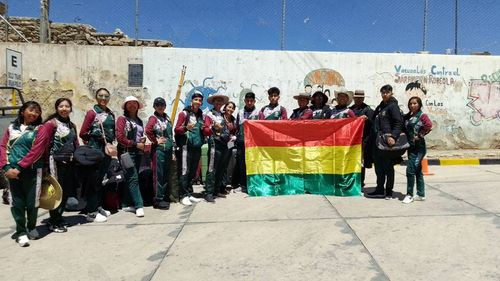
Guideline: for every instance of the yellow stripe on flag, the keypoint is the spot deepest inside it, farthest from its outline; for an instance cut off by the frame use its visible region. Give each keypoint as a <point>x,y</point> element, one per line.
<point>337,160</point>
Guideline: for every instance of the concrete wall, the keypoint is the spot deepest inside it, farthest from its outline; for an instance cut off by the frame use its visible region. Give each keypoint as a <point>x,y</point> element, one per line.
<point>460,93</point>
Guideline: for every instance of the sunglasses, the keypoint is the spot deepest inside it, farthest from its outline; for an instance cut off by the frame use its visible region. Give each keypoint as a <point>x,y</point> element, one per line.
<point>103,97</point>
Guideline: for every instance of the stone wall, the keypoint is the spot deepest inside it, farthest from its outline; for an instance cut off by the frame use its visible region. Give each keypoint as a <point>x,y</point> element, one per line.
<point>70,33</point>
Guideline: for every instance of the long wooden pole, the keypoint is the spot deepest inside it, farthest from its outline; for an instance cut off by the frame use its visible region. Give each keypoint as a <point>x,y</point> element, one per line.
<point>178,95</point>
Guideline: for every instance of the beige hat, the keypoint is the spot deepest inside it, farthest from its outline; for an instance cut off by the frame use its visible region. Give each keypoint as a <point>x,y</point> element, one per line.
<point>302,95</point>
<point>51,193</point>
<point>359,94</point>
<point>211,98</point>
<point>343,90</point>
<point>132,98</point>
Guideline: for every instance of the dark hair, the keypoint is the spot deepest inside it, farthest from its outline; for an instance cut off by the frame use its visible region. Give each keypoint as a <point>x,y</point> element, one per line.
<point>386,88</point>
<point>56,105</point>
<point>102,89</point>
<point>197,95</point>
<point>250,95</point>
<point>228,103</point>
<point>419,101</point>
<point>273,90</point>
<point>20,118</point>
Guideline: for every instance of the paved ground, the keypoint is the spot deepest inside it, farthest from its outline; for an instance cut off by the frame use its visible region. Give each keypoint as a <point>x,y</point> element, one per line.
<point>454,235</point>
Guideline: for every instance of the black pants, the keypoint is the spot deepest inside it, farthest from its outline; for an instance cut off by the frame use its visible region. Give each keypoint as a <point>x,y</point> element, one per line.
<point>384,168</point>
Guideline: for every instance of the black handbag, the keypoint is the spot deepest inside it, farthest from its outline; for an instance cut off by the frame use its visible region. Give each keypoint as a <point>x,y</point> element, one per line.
<point>395,151</point>
<point>65,153</point>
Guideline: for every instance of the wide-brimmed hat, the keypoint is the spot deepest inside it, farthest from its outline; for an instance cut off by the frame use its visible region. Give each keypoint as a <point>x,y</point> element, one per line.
<point>132,98</point>
<point>323,95</point>
<point>302,95</point>
<point>359,94</point>
<point>343,90</point>
<point>211,98</point>
<point>51,194</point>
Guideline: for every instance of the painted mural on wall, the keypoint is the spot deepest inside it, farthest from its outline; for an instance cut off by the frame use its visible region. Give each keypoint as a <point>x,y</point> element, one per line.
<point>484,101</point>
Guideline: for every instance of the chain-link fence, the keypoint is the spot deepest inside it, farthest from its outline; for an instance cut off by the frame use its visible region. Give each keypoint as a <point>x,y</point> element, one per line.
<point>321,25</point>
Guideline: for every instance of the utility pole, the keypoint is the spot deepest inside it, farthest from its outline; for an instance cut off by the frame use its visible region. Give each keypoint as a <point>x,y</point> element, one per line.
<point>456,27</point>
<point>424,39</point>
<point>283,13</point>
<point>44,21</point>
<point>136,21</point>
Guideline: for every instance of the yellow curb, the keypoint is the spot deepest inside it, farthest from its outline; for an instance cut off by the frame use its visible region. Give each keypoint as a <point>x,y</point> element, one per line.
<point>463,161</point>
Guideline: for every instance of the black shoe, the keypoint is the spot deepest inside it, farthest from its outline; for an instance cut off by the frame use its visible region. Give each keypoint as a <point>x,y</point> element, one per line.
<point>221,195</point>
<point>57,228</point>
<point>376,194</point>
<point>162,205</point>
<point>209,198</point>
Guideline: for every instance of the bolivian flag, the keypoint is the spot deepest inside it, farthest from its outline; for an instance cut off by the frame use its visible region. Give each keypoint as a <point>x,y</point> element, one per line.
<point>304,156</point>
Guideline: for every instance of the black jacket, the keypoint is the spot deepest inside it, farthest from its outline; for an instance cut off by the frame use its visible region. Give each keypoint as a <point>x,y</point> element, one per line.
<point>388,118</point>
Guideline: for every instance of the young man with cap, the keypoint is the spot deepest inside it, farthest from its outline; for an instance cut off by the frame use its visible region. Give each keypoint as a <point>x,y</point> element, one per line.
<point>302,112</point>
<point>273,111</point>
<point>189,139</point>
<point>319,108</point>
<point>218,135</point>
<point>159,132</point>
<point>248,112</point>
<point>361,109</point>
<point>343,98</point>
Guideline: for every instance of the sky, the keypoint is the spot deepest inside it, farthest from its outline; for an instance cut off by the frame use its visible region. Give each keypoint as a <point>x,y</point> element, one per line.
<point>310,25</point>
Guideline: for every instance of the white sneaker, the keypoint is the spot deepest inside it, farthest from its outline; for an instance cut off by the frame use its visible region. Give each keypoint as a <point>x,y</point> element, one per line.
<point>23,241</point>
<point>186,202</point>
<point>128,209</point>
<point>103,212</point>
<point>408,199</point>
<point>419,198</point>
<point>194,199</point>
<point>139,212</point>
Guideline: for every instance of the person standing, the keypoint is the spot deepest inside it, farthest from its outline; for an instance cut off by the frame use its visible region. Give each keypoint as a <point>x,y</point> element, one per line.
<point>98,118</point>
<point>129,134</point>
<point>303,112</point>
<point>273,111</point>
<point>216,131</point>
<point>64,140</point>
<point>361,109</point>
<point>21,150</point>
<point>343,98</point>
<point>417,125</point>
<point>389,122</point>
<point>159,132</point>
<point>248,112</point>
<point>320,110</point>
<point>189,140</point>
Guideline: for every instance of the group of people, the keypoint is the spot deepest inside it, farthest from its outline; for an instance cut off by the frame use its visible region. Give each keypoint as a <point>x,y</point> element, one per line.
<point>31,147</point>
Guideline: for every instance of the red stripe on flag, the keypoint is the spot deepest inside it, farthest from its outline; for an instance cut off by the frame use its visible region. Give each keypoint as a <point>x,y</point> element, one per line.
<point>283,133</point>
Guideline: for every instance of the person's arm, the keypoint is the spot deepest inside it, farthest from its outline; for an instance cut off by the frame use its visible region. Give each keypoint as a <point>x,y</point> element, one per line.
<point>3,148</point>
<point>87,123</point>
<point>261,114</point>
<point>76,142</point>
<point>307,114</point>
<point>120,133</point>
<point>43,137</point>
<point>397,125</point>
<point>427,125</point>
<point>149,129</point>
<point>207,126</point>
<point>284,115</point>
<point>180,129</point>
<point>351,114</point>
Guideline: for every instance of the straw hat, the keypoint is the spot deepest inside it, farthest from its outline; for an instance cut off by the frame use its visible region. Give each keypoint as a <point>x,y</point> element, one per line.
<point>343,90</point>
<point>51,194</point>
<point>302,95</point>
<point>225,98</point>
<point>132,98</point>
<point>359,94</point>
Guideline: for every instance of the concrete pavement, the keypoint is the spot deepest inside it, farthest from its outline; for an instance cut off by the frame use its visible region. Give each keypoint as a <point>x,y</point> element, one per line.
<point>454,235</point>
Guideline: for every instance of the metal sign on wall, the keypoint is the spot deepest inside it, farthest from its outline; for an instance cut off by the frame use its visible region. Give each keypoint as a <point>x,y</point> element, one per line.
<point>135,75</point>
<point>14,69</point>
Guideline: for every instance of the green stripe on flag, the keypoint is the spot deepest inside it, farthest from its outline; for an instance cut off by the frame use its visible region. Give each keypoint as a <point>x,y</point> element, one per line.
<point>290,184</point>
